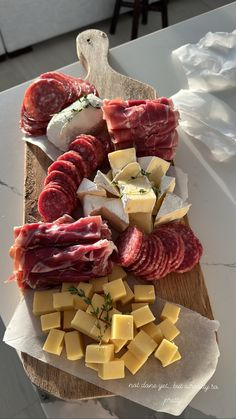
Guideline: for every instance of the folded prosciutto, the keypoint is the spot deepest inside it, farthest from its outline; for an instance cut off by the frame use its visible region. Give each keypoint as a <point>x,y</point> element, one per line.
<point>147,125</point>
<point>47,254</point>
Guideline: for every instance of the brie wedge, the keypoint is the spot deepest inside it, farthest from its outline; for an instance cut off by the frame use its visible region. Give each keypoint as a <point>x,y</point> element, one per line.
<point>132,170</point>
<point>173,208</point>
<point>120,158</point>
<point>167,184</point>
<point>87,187</point>
<point>105,182</point>
<point>155,167</point>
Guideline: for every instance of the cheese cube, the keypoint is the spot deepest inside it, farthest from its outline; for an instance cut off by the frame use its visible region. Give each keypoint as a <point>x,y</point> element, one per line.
<point>142,316</point>
<point>171,312</point>
<point>172,208</point>
<point>101,332</point>
<point>144,293</point>
<point>97,304</point>
<point>129,172</point>
<point>135,306</point>
<point>118,344</point>
<point>120,158</point>
<point>142,345</point>
<point>117,273</point>
<point>155,167</point>
<point>79,303</point>
<point>92,365</point>
<point>87,288</point>
<point>168,329</point>
<point>175,358</point>
<point>107,315</point>
<point>54,342</point>
<point>129,294</point>
<point>112,370</point>
<point>87,187</point>
<point>167,184</point>
<point>99,354</point>
<point>50,321</point>
<point>165,351</point>
<point>66,285</point>
<point>137,195</point>
<point>142,220</point>
<point>74,345</point>
<point>103,181</point>
<point>98,283</point>
<point>43,302</point>
<point>154,331</point>
<point>132,363</point>
<point>116,289</point>
<point>63,301</point>
<point>122,327</point>
<point>83,322</point>
<point>68,316</point>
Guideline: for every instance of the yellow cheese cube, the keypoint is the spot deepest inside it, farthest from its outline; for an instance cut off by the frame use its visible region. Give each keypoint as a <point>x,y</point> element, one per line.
<point>112,370</point>
<point>135,306</point>
<point>129,294</point>
<point>99,354</point>
<point>68,316</point>
<point>92,365</point>
<point>154,331</point>
<point>63,301</point>
<point>122,327</point>
<point>107,315</point>
<point>171,312</point>
<point>83,322</point>
<point>117,273</point>
<point>137,195</point>
<point>116,289</point>
<point>118,344</point>
<point>97,304</point>
<point>74,345</point>
<point>142,345</point>
<point>50,321</point>
<point>144,293</point>
<point>168,329</point>
<point>43,302</point>
<point>165,351</point>
<point>98,283</point>
<point>132,363</point>
<point>86,288</point>
<point>79,303</point>
<point>119,159</point>
<point>142,316</point>
<point>142,220</point>
<point>54,342</point>
<point>175,358</point>
<point>66,285</point>
<point>101,332</point>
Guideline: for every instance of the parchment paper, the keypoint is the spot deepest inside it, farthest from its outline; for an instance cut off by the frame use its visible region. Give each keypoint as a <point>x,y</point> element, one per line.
<point>168,389</point>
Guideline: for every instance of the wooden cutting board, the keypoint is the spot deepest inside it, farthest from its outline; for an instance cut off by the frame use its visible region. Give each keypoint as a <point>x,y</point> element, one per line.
<point>187,289</point>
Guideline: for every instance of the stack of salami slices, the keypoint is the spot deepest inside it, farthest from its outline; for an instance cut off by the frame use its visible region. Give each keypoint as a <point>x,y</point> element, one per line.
<point>64,176</point>
<point>172,247</point>
<point>147,125</point>
<point>48,95</point>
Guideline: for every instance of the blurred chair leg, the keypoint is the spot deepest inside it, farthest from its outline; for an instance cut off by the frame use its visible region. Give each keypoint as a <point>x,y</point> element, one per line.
<point>115,16</point>
<point>164,14</point>
<point>145,12</point>
<point>137,10</point>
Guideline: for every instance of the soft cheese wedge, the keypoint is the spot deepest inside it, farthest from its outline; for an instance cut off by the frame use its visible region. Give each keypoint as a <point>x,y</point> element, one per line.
<point>167,184</point>
<point>155,167</point>
<point>173,208</point>
<point>142,220</point>
<point>84,115</point>
<point>137,195</point>
<point>105,182</point>
<point>129,172</point>
<point>120,158</point>
<point>87,187</point>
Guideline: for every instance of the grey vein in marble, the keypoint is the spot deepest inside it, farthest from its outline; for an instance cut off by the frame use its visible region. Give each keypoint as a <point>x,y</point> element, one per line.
<point>12,188</point>
<point>227,265</point>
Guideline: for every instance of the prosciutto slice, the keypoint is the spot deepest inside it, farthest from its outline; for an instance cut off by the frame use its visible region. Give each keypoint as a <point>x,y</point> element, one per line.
<point>147,125</point>
<point>46,254</point>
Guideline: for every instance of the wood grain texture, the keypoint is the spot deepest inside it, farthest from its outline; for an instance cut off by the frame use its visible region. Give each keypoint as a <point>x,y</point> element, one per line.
<point>188,289</point>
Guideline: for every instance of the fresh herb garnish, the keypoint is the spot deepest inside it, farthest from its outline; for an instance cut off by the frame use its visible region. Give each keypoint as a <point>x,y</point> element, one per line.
<point>142,190</point>
<point>156,190</point>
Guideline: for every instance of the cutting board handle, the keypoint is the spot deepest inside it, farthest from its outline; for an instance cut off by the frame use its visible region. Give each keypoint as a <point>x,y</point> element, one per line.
<point>92,50</point>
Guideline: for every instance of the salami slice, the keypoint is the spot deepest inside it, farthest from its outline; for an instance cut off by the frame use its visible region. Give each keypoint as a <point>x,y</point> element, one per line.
<point>53,203</point>
<point>73,91</point>
<point>155,257</point>
<point>83,166</point>
<point>68,168</point>
<point>84,147</point>
<point>44,98</point>
<point>98,148</point>
<point>61,178</point>
<point>71,195</point>
<point>128,244</point>
<point>141,257</point>
<point>173,244</point>
<point>149,258</point>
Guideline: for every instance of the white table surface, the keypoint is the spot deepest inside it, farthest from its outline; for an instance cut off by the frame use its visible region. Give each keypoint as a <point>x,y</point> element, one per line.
<point>212,188</point>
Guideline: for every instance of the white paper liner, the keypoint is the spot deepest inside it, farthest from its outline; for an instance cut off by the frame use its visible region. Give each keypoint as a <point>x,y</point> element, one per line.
<point>46,146</point>
<point>168,389</point>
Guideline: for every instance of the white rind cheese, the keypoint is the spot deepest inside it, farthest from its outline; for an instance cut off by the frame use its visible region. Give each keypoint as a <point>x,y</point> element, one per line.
<point>137,195</point>
<point>167,184</point>
<point>105,182</point>
<point>87,187</point>
<point>173,208</point>
<point>83,116</point>
<point>142,220</point>
<point>155,167</point>
<point>130,171</point>
<point>120,158</point>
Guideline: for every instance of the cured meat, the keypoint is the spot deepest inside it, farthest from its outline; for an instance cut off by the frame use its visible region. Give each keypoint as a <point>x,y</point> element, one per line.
<point>68,168</point>
<point>46,254</point>
<point>83,166</point>
<point>84,147</point>
<point>53,203</point>
<point>173,244</point>
<point>128,244</point>
<point>61,178</point>
<point>48,95</point>
<point>147,125</point>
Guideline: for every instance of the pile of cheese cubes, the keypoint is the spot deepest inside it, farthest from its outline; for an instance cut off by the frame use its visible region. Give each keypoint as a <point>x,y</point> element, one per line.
<point>136,191</point>
<point>126,333</point>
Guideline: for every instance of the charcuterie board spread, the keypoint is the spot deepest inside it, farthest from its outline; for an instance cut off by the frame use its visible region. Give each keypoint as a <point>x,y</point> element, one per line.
<point>105,210</point>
